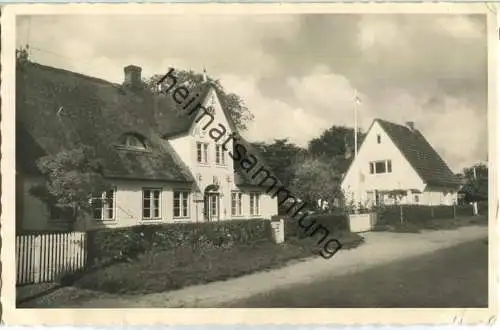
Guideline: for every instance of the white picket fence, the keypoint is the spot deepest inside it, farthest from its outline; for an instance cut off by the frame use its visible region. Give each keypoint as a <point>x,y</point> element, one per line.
<point>42,257</point>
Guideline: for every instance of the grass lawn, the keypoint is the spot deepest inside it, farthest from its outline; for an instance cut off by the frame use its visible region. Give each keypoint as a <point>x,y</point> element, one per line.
<point>454,277</point>
<point>434,224</point>
<point>159,271</point>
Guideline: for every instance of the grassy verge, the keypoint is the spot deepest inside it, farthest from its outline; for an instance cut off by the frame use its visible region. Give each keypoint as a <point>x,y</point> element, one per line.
<point>434,224</point>
<point>159,271</point>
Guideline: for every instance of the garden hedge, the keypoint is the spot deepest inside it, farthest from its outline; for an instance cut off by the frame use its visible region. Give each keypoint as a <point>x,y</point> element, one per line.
<point>111,244</point>
<point>391,214</point>
<point>335,223</point>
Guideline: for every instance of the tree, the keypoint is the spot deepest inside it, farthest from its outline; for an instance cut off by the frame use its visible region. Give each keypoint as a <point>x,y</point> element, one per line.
<point>475,188</point>
<point>72,178</point>
<point>281,156</point>
<point>337,145</point>
<point>232,102</point>
<point>315,180</point>
<point>335,141</point>
<point>22,54</point>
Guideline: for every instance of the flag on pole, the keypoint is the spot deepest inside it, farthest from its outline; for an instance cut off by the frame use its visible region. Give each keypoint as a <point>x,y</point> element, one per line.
<point>357,99</point>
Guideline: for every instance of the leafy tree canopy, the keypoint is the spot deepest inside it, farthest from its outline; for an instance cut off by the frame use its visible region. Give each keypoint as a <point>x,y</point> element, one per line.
<point>335,141</point>
<point>72,178</point>
<point>232,102</point>
<point>317,179</point>
<point>281,155</point>
<point>475,188</point>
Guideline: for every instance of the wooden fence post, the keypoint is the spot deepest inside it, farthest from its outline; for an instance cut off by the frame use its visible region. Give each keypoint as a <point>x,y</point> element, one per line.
<point>37,255</point>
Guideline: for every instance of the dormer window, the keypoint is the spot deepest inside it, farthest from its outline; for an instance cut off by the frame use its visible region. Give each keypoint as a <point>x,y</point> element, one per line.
<point>132,141</point>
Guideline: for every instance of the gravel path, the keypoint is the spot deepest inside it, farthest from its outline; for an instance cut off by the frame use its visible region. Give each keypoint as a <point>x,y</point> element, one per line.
<point>380,248</point>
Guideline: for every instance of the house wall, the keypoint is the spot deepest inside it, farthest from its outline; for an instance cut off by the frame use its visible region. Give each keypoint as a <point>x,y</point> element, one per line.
<point>207,174</point>
<point>438,196</point>
<point>403,176</point>
<point>128,193</point>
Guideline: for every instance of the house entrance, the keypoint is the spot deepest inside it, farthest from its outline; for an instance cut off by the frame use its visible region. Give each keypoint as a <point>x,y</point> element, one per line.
<point>211,198</point>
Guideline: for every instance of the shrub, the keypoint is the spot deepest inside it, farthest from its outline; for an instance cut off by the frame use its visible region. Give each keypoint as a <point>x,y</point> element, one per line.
<point>418,213</point>
<point>119,244</point>
<point>337,222</point>
<point>482,207</point>
<point>464,210</point>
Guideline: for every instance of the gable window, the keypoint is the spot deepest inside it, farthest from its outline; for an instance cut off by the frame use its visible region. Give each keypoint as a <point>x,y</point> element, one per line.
<point>133,141</point>
<point>151,203</point>
<point>382,166</point>
<point>379,139</point>
<point>103,206</point>
<point>254,204</point>
<point>202,152</point>
<point>235,203</point>
<point>220,156</point>
<point>181,204</point>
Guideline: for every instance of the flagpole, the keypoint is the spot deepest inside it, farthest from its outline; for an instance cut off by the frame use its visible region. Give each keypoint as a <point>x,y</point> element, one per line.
<point>356,151</point>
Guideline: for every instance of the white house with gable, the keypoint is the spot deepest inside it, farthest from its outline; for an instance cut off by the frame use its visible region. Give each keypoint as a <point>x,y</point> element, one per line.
<point>157,150</point>
<point>396,164</point>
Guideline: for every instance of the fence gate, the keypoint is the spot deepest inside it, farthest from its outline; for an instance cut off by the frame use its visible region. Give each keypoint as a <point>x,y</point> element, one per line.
<point>42,257</point>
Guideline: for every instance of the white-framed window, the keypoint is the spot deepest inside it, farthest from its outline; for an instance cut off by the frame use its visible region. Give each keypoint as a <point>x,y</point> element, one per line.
<point>254,203</point>
<point>151,203</point>
<point>103,206</point>
<point>220,155</point>
<point>132,141</point>
<point>214,205</point>
<point>381,166</point>
<point>181,204</point>
<point>202,152</point>
<point>235,203</point>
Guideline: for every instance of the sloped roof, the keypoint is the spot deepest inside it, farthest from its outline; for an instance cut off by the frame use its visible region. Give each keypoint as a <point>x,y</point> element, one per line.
<point>96,113</point>
<point>242,177</point>
<point>171,118</point>
<point>421,155</point>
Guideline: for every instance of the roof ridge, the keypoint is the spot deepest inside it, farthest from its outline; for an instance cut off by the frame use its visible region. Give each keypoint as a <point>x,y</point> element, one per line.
<point>77,74</point>
<point>418,147</point>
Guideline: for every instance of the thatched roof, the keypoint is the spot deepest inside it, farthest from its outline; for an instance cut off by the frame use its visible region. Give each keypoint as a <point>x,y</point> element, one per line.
<point>58,109</point>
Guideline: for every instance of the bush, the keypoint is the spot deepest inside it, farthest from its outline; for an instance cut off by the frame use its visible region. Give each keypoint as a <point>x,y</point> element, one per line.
<point>482,207</point>
<point>337,222</point>
<point>418,213</point>
<point>464,210</point>
<point>118,244</point>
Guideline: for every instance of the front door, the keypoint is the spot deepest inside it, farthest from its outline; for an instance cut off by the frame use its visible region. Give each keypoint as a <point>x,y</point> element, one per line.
<point>377,198</point>
<point>212,205</point>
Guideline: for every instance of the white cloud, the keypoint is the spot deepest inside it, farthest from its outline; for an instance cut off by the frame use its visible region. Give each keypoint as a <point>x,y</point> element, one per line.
<point>399,62</point>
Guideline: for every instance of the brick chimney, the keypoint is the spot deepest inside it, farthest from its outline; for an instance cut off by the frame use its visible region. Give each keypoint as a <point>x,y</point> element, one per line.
<point>132,76</point>
<point>410,125</point>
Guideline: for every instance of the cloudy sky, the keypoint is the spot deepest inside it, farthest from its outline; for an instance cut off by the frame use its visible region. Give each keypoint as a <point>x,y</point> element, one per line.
<point>298,73</point>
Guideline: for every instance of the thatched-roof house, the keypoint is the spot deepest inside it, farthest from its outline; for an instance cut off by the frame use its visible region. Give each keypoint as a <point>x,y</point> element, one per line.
<point>159,154</point>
